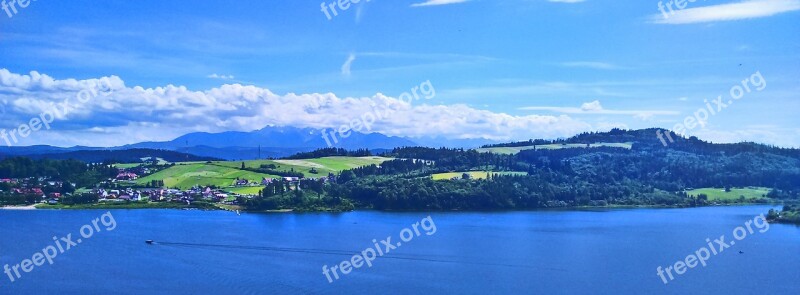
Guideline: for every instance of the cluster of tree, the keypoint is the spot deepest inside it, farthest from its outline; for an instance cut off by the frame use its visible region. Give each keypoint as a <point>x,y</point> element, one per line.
<point>456,159</point>
<point>271,169</point>
<point>529,142</point>
<point>789,214</point>
<point>9,199</point>
<point>780,194</point>
<point>77,199</point>
<point>280,187</point>
<point>331,152</point>
<point>391,167</point>
<point>673,170</point>
<point>74,171</point>
<point>155,183</point>
<point>306,194</point>
<point>542,190</point>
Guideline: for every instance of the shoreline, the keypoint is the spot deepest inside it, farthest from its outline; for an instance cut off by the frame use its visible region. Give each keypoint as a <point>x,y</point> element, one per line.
<point>230,208</point>
<point>29,207</point>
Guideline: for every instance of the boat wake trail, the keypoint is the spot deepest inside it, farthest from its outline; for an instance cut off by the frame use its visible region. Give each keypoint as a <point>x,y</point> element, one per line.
<point>426,258</point>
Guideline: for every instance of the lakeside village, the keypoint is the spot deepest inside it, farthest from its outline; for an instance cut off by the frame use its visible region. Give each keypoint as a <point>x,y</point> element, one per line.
<point>124,189</point>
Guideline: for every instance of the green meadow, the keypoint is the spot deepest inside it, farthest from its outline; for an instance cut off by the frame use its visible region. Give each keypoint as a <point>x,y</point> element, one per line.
<point>719,194</point>
<point>223,174</point>
<point>185,176</point>
<point>323,166</point>
<point>245,190</point>
<point>127,166</point>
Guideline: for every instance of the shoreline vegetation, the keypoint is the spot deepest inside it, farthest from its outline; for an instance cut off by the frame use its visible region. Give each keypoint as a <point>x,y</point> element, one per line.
<point>573,173</point>
<point>235,208</point>
<point>789,214</point>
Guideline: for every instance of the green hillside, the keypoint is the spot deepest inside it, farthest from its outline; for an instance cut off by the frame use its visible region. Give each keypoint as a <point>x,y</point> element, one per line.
<point>323,166</point>
<point>223,174</point>
<point>188,175</point>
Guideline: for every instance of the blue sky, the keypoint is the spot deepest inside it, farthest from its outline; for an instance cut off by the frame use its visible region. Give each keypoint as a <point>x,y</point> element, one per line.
<point>505,70</point>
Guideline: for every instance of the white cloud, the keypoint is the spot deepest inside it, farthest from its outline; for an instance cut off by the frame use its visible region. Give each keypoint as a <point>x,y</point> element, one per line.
<point>746,9</point>
<point>360,11</point>
<point>347,64</point>
<point>592,65</point>
<point>221,77</point>
<point>592,106</point>
<point>644,116</point>
<point>595,108</point>
<point>134,114</point>
<point>437,2</point>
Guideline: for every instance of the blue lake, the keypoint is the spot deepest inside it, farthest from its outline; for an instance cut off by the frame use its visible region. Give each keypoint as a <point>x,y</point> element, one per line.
<point>539,252</point>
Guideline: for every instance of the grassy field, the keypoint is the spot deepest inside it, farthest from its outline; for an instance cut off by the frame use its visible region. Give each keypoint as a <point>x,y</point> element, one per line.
<point>472,174</point>
<point>133,165</point>
<point>715,194</point>
<point>188,175</point>
<point>516,150</point>
<point>127,166</point>
<point>247,190</point>
<point>322,165</point>
<point>222,174</point>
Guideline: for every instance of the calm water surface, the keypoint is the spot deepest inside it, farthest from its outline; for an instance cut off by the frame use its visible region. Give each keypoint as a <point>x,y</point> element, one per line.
<point>542,252</point>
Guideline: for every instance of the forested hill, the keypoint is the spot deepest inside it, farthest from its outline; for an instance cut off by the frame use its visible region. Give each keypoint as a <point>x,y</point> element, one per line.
<point>647,173</point>
<point>649,138</point>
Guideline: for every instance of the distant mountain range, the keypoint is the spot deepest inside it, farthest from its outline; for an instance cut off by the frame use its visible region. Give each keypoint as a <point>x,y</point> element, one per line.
<point>122,156</point>
<point>269,142</point>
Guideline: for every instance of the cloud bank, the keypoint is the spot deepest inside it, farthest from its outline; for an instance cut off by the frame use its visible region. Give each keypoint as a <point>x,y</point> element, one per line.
<point>133,113</point>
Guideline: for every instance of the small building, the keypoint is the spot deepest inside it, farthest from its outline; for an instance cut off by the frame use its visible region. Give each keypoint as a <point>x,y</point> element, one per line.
<point>127,176</point>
